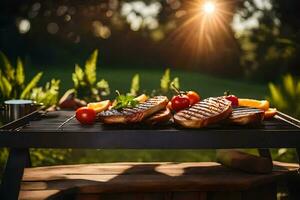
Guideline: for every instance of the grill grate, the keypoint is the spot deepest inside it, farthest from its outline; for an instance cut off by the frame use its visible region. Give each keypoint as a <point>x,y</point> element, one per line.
<point>51,123</point>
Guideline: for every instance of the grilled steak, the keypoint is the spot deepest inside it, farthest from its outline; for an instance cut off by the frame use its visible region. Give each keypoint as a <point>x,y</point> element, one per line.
<point>244,116</point>
<point>159,117</point>
<point>136,114</point>
<point>203,113</point>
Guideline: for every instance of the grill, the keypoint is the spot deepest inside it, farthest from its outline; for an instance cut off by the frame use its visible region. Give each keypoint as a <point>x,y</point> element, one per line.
<point>19,136</point>
<point>281,131</point>
<point>51,123</point>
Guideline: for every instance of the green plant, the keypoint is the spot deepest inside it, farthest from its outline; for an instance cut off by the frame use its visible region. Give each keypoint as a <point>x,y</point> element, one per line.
<point>12,80</point>
<point>13,86</point>
<point>48,95</point>
<point>286,96</point>
<point>165,82</point>
<point>124,101</point>
<point>49,156</point>
<point>85,80</point>
<point>135,85</point>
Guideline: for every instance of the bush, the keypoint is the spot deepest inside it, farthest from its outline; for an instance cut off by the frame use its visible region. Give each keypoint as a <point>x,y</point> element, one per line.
<point>286,96</point>
<point>13,86</point>
<point>85,81</point>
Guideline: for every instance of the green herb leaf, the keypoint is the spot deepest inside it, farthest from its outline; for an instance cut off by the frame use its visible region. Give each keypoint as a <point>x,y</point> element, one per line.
<point>125,101</point>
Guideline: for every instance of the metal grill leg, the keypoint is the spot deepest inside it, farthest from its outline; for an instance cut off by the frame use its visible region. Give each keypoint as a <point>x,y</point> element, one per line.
<point>28,164</point>
<point>298,157</point>
<point>265,153</point>
<point>18,159</point>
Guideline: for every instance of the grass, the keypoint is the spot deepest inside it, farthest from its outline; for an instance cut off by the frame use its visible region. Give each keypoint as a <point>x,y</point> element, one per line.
<point>150,79</point>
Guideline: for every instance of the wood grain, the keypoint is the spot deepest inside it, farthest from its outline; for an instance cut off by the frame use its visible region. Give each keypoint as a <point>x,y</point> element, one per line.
<point>192,180</point>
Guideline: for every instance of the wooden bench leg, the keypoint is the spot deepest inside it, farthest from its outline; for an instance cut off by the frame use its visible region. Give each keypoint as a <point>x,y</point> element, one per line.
<point>266,154</point>
<point>18,159</point>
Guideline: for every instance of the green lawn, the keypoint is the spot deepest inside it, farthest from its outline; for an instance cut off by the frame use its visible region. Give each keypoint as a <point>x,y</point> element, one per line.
<point>120,79</point>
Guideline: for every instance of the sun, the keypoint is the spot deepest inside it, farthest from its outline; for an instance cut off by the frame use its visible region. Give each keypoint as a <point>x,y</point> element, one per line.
<point>204,28</point>
<point>209,7</point>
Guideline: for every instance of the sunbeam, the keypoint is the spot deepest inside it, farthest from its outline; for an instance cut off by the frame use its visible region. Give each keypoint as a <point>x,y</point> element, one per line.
<point>204,29</point>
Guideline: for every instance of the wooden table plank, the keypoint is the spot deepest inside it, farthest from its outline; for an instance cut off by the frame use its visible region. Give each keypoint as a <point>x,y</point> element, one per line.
<point>206,175</point>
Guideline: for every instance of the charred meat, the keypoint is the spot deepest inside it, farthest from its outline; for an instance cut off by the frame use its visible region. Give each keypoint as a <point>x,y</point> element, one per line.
<point>136,114</point>
<point>209,111</point>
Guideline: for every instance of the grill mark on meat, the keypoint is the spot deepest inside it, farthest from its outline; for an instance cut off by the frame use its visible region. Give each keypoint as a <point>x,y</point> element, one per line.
<point>136,114</point>
<point>143,106</point>
<point>195,115</point>
<point>198,112</point>
<point>203,113</point>
<point>210,111</point>
<point>204,108</point>
<point>201,110</point>
<point>189,111</point>
<point>129,111</point>
<point>209,107</point>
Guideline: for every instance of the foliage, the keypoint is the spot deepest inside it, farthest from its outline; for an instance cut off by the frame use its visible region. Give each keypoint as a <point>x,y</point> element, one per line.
<point>124,101</point>
<point>3,157</point>
<point>135,85</point>
<point>267,52</point>
<point>13,86</point>
<point>32,84</point>
<point>12,80</point>
<point>286,96</point>
<point>165,82</point>
<point>49,156</point>
<point>284,155</point>
<point>85,81</point>
<point>48,95</point>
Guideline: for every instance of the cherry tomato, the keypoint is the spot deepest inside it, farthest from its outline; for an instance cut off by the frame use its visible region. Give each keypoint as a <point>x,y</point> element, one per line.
<point>85,115</point>
<point>193,97</point>
<point>234,100</point>
<point>180,102</point>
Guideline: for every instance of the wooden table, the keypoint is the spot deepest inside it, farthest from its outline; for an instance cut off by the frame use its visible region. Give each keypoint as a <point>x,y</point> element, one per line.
<point>280,132</point>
